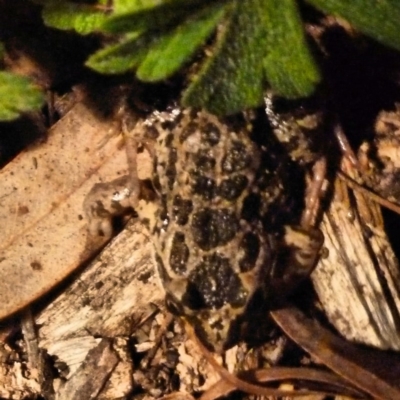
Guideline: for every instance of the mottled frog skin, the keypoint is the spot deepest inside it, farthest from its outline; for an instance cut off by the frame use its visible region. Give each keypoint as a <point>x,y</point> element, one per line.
<point>219,220</point>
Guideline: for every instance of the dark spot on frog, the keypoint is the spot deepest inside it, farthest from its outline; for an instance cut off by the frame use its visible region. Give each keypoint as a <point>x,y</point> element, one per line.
<point>231,188</point>
<point>251,207</point>
<point>217,325</point>
<point>204,161</point>
<point>265,179</point>
<point>169,140</point>
<point>151,131</point>
<point>211,228</point>
<point>236,159</point>
<point>181,210</point>
<point>210,134</point>
<point>36,266</point>
<point>179,254</point>
<point>163,212</point>
<point>250,245</point>
<point>204,186</point>
<point>212,284</point>
<point>187,131</point>
<point>168,125</point>
<point>170,171</point>
<point>156,183</point>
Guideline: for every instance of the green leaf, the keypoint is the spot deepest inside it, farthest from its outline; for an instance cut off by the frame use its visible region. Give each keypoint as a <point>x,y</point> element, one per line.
<point>377,18</point>
<point>289,65</point>
<point>83,18</point>
<point>121,57</point>
<point>153,15</point>
<point>168,54</point>
<point>17,95</point>
<point>257,40</point>
<point>157,54</point>
<point>232,77</point>
<point>133,6</point>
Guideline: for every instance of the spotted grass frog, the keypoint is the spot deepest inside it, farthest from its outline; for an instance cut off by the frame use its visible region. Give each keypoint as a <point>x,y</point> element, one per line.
<point>221,219</point>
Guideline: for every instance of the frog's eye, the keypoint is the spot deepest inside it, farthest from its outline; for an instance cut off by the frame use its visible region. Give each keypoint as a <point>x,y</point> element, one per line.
<point>172,306</point>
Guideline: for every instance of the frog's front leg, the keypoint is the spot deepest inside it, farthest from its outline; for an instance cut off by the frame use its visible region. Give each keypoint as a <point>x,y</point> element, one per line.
<point>299,247</point>
<point>297,256</point>
<point>108,200</point>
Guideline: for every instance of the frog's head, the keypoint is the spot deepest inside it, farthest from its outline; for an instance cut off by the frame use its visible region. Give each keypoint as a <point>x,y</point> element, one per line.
<point>213,299</point>
<point>217,316</point>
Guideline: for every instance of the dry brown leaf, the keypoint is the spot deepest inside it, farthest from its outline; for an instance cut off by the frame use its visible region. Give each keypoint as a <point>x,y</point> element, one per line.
<point>43,235</point>
<point>224,387</point>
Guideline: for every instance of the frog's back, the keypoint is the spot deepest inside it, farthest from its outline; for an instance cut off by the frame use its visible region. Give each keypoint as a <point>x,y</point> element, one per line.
<point>212,248</point>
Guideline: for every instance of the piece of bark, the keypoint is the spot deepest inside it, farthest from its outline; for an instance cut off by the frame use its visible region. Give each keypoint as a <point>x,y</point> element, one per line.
<point>110,299</point>
<point>92,374</point>
<point>357,283</point>
<point>116,290</point>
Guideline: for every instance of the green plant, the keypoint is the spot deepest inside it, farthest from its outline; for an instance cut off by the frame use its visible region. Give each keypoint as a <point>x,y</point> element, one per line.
<point>18,94</point>
<point>254,43</point>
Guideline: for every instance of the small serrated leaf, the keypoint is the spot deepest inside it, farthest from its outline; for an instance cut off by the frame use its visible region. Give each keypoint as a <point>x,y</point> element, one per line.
<point>17,95</point>
<point>289,66</point>
<point>231,78</point>
<point>83,18</point>
<point>378,19</point>
<point>132,6</point>
<point>153,16</point>
<point>121,57</point>
<point>175,47</point>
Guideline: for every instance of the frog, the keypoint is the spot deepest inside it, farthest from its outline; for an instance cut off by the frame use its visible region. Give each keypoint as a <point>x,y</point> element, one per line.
<point>220,219</point>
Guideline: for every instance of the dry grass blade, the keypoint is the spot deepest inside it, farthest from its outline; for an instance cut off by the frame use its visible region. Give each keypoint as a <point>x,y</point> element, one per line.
<point>233,382</point>
<point>369,193</point>
<point>223,387</point>
<point>372,371</point>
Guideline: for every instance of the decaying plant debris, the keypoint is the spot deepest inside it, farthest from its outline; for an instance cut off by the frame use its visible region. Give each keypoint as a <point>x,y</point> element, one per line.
<point>105,335</point>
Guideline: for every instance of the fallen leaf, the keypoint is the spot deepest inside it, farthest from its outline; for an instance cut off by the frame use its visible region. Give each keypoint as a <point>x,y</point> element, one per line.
<point>43,236</point>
